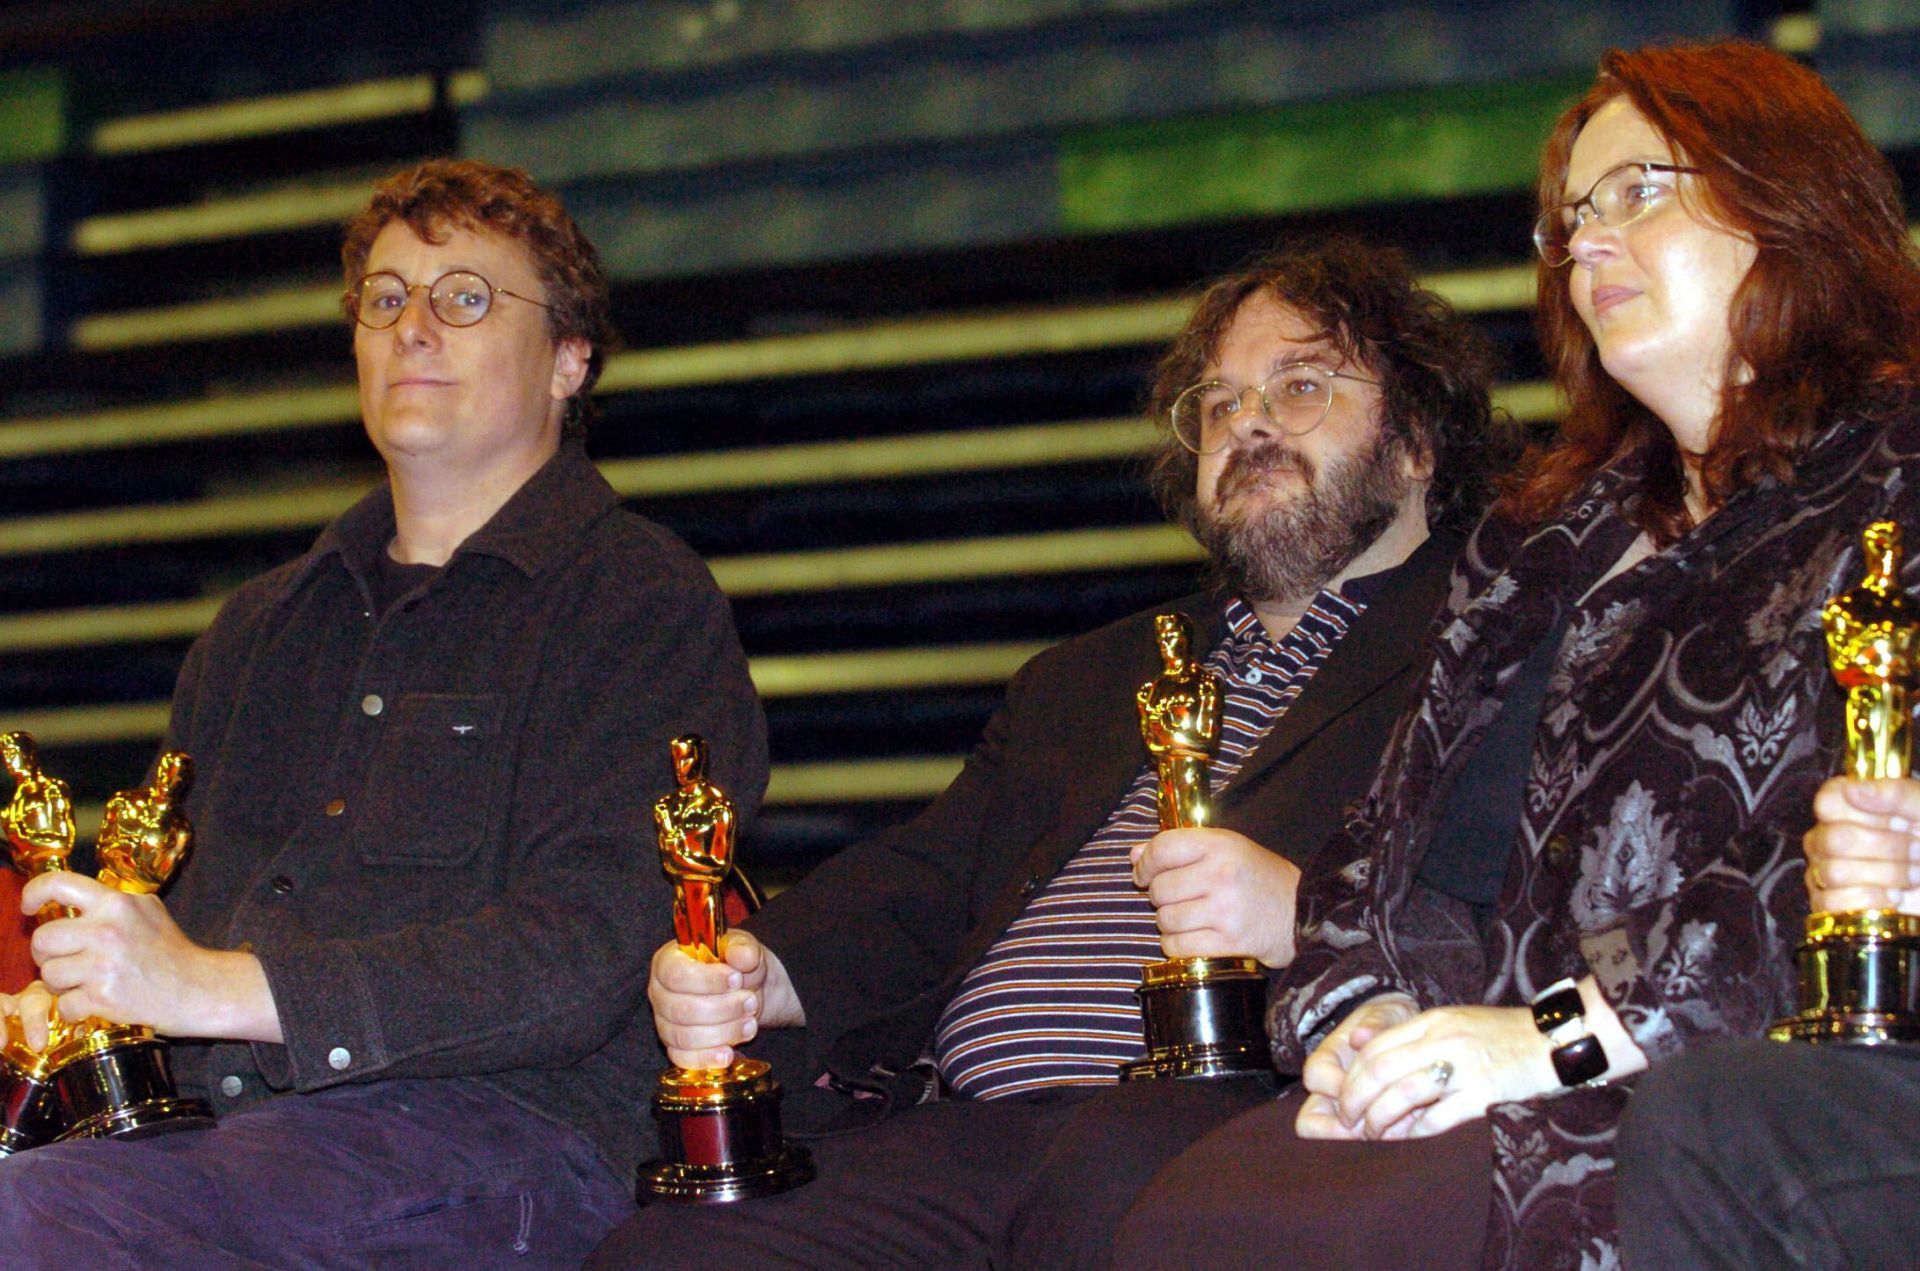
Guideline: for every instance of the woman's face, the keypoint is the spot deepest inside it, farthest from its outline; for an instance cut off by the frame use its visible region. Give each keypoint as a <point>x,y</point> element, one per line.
<point>1655,294</point>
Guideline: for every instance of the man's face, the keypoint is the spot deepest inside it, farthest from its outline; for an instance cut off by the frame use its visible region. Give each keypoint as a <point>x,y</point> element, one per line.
<point>1282,515</point>
<point>483,403</point>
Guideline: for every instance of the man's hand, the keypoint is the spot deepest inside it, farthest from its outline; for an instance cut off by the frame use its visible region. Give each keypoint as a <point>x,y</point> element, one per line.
<point>1862,852</point>
<point>1219,894</point>
<point>1325,1073</point>
<point>31,1006</point>
<point>703,1009</point>
<point>123,959</point>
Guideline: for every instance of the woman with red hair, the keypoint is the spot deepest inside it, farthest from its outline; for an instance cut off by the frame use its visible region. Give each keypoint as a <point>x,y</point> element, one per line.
<point>1582,856</point>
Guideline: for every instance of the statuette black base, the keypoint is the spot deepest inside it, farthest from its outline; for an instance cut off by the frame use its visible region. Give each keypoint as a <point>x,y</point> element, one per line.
<point>31,1114</point>
<point>1859,980</point>
<point>121,1087</point>
<point>720,1139</point>
<point>1205,1018</point>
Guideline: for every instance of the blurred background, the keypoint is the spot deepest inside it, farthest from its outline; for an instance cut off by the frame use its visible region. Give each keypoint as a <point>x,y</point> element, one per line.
<point>892,276</point>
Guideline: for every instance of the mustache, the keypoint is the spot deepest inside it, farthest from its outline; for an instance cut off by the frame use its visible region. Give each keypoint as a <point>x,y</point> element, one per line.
<point>1247,468</point>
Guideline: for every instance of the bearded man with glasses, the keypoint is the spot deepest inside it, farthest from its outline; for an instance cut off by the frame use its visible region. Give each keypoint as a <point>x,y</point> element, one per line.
<point>404,960</point>
<point>960,990</point>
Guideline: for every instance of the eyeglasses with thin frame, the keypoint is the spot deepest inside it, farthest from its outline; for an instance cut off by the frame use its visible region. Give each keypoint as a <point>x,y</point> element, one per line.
<point>1620,197</point>
<point>459,298</point>
<point>1295,399</point>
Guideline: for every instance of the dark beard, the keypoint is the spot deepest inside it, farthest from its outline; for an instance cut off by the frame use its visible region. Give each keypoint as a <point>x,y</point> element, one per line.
<point>1291,549</point>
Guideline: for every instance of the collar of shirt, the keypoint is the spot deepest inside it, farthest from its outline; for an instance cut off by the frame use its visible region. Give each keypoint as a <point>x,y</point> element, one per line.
<point>531,531</point>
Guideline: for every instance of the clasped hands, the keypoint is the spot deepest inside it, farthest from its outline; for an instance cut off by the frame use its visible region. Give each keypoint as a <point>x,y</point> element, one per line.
<point>121,958</point>
<point>1392,1071</point>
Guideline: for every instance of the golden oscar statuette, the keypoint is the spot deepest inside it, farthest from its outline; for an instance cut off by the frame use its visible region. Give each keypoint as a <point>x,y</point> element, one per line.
<point>1859,971</point>
<point>1204,1017</point>
<point>719,1128</point>
<point>105,1080</point>
<point>40,834</point>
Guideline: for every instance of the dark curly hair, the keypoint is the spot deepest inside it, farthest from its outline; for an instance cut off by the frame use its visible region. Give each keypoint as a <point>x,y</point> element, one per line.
<point>441,194</point>
<point>1434,367</point>
<point>1827,321</point>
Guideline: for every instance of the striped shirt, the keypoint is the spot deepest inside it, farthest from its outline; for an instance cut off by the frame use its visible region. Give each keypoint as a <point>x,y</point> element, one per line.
<point>1052,1002</point>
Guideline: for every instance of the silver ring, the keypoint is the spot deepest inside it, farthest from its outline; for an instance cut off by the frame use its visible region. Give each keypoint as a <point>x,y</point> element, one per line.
<point>1441,1071</point>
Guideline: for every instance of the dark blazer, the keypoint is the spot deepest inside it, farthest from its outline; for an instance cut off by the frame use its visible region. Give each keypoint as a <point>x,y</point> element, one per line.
<point>878,938</point>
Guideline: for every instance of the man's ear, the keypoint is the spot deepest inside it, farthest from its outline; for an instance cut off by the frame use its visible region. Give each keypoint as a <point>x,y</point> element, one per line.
<point>570,359</point>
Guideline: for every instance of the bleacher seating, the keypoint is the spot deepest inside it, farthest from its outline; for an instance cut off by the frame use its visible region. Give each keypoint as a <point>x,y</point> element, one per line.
<point>891,281</point>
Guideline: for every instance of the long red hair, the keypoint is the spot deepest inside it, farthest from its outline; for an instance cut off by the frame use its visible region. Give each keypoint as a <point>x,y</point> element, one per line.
<point>1827,321</point>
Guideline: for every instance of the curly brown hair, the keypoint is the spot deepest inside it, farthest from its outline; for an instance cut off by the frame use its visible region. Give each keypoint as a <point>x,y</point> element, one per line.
<point>441,194</point>
<point>1434,367</point>
<point>1826,323</point>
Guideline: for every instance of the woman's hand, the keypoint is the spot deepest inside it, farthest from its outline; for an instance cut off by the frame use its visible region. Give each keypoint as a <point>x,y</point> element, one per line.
<point>1443,1067</point>
<point>1862,852</point>
<point>1325,1072</point>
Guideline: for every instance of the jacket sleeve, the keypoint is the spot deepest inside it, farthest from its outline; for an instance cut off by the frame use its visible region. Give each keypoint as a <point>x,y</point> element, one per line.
<point>881,921</point>
<point>549,960</point>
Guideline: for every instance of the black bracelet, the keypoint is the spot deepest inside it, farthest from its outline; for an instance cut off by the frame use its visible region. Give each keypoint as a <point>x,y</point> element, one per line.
<point>1559,1006</point>
<point>1580,1061</point>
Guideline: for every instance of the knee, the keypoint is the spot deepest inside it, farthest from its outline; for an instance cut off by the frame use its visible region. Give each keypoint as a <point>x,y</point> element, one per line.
<point>47,1188</point>
<point>1710,1101</point>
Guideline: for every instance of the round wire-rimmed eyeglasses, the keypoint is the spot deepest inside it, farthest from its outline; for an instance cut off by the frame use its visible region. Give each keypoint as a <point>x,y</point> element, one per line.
<point>1295,399</point>
<point>459,298</point>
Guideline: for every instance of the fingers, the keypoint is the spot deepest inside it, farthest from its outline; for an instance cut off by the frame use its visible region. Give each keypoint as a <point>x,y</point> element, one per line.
<point>1881,802</point>
<point>32,1006</point>
<point>1167,850</point>
<point>64,887</point>
<point>739,950</point>
<point>1319,1119</point>
<point>701,1009</point>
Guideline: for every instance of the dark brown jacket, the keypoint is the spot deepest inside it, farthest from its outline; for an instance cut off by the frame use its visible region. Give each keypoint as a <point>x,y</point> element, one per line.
<point>434,825</point>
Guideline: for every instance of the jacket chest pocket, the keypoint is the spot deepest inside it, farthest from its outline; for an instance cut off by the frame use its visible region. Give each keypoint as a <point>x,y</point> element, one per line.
<point>436,776</point>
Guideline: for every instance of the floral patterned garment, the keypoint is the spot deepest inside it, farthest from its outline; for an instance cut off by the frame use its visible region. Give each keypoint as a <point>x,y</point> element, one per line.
<point>1687,722</point>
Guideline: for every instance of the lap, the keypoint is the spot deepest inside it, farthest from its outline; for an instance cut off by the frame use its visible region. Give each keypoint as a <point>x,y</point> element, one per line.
<point>387,1171</point>
<point>1253,1193</point>
<point>1748,1152</point>
<point>1022,1182</point>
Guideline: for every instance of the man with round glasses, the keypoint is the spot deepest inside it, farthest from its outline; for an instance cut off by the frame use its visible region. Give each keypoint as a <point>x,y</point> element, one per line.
<point>961,989</point>
<point>404,958</point>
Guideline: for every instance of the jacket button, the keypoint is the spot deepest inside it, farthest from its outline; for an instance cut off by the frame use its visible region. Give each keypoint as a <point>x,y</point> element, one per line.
<point>1559,851</point>
<point>338,1058</point>
<point>1031,886</point>
<point>281,884</point>
<point>371,704</point>
<point>231,1087</point>
<point>335,807</point>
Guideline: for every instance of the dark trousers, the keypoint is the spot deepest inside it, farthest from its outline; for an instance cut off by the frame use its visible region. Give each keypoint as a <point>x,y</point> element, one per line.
<point>395,1174</point>
<point>1254,1194</point>
<point>1035,1182</point>
<point>1759,1154</point>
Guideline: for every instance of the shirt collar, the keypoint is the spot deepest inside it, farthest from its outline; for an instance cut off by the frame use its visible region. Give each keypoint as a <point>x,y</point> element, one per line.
<point>531,531</point>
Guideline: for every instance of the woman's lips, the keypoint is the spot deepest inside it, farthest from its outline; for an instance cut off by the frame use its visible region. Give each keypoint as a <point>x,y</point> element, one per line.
<point>1605,298</point>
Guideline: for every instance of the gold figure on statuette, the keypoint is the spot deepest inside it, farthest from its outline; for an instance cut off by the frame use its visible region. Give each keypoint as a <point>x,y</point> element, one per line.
<point>1180,723</point>
<point>1859,971</point>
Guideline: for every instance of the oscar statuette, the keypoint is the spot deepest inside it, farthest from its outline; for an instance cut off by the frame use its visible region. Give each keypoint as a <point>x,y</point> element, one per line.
<point>719,1128</point>
<point>116,1078</point>
<point>1859,971</point>
<point>1204,1017</point>
<point>40,834</point>
<point>98,1079</point>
